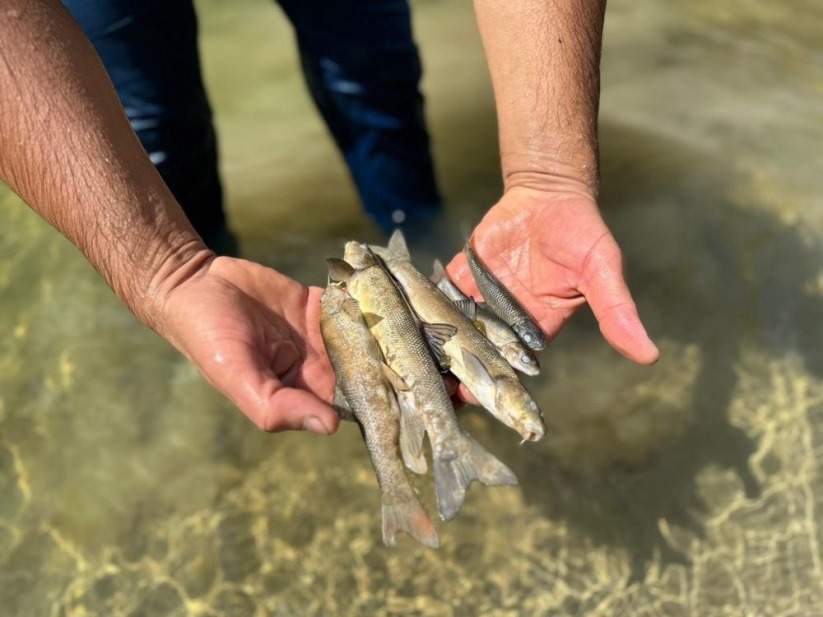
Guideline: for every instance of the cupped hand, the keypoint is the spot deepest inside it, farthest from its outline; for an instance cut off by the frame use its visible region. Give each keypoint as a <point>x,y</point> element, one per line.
<point>255,335</point>
<point>555,253</point>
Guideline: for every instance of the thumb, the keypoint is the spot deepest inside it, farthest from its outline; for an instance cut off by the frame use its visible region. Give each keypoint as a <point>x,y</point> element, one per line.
<point>612,304</point>
<point>295,409</point>
<point>256,390</point>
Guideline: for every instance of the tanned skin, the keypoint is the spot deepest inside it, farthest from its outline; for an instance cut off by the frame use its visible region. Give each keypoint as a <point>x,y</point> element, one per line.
<point>67,150</point>
<point>545,239</point>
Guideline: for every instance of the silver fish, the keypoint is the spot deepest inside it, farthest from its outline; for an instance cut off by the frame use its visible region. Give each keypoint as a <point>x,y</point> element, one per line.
<point>456,458</point>
<point>468,354</point>
<point>365,391</point>
<point>503,302</point>
<point>496,330</point>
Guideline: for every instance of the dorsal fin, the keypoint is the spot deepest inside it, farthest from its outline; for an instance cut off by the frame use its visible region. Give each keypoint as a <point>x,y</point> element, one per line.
<point>397,246</point>
<point>339,270</point>
<point>439,272</point>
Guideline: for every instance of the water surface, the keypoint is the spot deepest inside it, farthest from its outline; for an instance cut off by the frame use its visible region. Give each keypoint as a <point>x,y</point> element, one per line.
<point>129,487</point>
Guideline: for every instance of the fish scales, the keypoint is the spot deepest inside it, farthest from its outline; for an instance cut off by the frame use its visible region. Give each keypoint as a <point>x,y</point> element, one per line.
<point>501,335</point>
<point>457,458</point>
<point>357,363</point>
<point>473,359</point>
<point>503,302</point>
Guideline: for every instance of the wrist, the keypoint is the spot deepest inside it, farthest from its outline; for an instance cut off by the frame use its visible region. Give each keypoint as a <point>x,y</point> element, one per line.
<point>181,265</point>
<point>171,262</point>
<point>566,165</point>
<point>560,183</point>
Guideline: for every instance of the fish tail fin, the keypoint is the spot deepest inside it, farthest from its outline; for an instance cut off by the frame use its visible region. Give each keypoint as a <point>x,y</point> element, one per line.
<point>452,475</point>
<point>407,514</point>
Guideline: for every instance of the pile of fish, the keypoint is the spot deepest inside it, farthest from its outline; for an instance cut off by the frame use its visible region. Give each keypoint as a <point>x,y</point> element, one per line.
<point>390,332</point>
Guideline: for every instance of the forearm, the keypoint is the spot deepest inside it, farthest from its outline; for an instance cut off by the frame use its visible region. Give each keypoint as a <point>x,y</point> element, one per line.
<point>67,149</point>
<point>544,60</point>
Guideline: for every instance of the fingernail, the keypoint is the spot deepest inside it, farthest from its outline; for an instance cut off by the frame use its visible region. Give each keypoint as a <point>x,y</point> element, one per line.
<point>313,424</point>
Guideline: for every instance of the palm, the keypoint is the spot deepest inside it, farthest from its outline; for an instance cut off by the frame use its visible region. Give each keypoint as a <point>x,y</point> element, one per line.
<point>254,334</point>
<point>555,254</point>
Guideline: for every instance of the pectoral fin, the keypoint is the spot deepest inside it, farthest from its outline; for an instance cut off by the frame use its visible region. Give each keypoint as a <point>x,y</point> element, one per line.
<point>412,432</point>
<point>341,405</point>
<point>474,364</point>
<point>352,308</point>
<point>437,335</point>
<point>394,379</point>
<point>468,307</point>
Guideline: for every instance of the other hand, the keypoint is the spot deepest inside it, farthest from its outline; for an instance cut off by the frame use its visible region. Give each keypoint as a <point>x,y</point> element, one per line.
<point>255,335</point>
<point>555,253</point>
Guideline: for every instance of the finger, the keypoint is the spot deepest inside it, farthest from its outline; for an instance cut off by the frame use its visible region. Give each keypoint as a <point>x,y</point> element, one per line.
<point>452,387</point>
<point>295,409</point>
<point>609,297</point>
<point>459,273</point>
<point>451,383</point>
<point>464,394</point>
<point>260,395</point>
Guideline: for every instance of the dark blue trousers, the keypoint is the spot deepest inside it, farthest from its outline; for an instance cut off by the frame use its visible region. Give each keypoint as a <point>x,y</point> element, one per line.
<point>361,66</point>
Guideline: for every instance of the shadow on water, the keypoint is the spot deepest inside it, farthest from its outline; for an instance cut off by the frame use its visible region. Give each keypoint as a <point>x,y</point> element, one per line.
<point>704,273</point>
<point>690,256</point>
<point>113,490</point>
<point>707,275</point>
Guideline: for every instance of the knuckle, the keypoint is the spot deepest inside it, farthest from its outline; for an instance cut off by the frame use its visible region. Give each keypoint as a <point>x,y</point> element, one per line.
<point>269,422</point>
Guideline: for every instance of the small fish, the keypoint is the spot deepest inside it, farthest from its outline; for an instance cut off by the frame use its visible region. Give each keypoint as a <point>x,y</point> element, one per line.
<point>363,389</point>
<point>503,303</point>
<point>496,330</point>
<point>425,406</point>
<point>468,354</point>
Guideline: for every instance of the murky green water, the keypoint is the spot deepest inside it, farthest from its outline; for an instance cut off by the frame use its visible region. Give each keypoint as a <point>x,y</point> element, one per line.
<point>128,487</point>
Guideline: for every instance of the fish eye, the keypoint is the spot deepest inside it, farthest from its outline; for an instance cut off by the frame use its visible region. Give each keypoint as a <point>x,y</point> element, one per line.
<point>527,337</point>
<point>525,359</point>
<point>533,405</point>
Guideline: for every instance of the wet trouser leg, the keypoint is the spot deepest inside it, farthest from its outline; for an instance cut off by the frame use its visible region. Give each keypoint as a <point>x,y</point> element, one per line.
<point>363,71</point>
<point>149,49</point>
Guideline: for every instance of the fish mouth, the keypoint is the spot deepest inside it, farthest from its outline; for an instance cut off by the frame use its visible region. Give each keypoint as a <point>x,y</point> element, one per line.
<point>521,358</point>
<point>532,433</point>
<point>528,369</point>
<point>531,334</point>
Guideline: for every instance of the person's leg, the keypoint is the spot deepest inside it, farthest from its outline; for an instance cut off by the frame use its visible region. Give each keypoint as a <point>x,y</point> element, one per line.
<point>363,71</point>
<point>149,49</point>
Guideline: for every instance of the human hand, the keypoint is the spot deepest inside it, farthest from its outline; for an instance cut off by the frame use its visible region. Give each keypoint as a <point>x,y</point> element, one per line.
<point>555,253</point>
<point>254,334</point>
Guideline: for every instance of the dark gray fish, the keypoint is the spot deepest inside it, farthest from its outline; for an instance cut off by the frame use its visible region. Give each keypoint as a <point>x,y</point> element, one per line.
<point>503,302</point>
<point>496,330</point>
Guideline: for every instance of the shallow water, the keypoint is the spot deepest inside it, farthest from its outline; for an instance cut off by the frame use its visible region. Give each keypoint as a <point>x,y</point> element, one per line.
<point>129,487</point>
